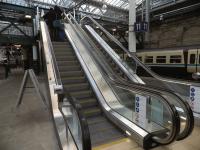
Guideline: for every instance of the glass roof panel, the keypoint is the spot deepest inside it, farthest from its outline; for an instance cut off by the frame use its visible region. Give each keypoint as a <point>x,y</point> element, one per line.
<point>66,3</point>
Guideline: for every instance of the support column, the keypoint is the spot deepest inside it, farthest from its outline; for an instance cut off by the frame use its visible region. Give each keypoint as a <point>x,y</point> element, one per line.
<point>147,19</point>
<point>132,20</point>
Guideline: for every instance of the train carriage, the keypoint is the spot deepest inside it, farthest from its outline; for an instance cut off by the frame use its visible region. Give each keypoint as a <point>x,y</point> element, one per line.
<point>193,64</point>
<point>173,62</point>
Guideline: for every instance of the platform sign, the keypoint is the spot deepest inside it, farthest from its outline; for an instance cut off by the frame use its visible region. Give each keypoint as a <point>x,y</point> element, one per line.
<point>137,27</point>
<point>141,26</point>
<point>194,100</point>
<point>144,26</point>
<point>140,109</point>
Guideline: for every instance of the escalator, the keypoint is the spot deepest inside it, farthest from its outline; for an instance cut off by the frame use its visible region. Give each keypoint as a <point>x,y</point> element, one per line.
<point>179,87</point>
<point>74,80</point>
<point>95,109</point>
<point>186,116</point>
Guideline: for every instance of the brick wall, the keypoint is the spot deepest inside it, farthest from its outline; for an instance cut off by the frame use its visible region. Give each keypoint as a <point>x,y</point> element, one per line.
<point>177,32</point>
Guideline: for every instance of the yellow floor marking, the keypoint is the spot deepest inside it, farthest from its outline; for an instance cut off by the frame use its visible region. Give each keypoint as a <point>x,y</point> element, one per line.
<point>110,144</point>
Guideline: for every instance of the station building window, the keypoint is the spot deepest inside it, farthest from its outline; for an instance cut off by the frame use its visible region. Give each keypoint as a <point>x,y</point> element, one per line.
<point>149,59</point>
<point>192,59</point>
<point>161,59</point>
<point>175,59</point>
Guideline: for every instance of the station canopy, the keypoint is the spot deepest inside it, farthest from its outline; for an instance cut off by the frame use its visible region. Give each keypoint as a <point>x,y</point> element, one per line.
<point>115,9</point>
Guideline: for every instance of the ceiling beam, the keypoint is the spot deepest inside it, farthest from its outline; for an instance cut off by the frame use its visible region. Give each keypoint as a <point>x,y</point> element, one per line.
<point>17,8</point>
<point>111,7</point>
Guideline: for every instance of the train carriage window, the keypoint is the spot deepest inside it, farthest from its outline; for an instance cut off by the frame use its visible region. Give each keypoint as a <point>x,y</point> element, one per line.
<point>192,58</point>
<point>161,59</point>
<point>149,59</point>
<point>175,59</point>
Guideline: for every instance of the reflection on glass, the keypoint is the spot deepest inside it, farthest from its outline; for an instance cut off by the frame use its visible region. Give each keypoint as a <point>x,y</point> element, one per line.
<point>146,111</point>
<point>73,124</point>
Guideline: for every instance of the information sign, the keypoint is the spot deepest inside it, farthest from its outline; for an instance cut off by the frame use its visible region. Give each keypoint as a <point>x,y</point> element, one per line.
<point>140,109</point>
<point>194,100</point>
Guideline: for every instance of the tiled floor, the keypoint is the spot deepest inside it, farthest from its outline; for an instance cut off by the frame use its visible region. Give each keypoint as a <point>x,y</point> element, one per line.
<point>30,127</point>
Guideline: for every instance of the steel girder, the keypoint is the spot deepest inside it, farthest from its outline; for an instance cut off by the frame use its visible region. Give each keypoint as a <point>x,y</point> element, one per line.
<point>112,12</point>
<point>17,8</point>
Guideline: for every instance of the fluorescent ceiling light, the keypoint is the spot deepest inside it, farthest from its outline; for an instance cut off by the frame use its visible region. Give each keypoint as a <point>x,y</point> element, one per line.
<point>27,16</point>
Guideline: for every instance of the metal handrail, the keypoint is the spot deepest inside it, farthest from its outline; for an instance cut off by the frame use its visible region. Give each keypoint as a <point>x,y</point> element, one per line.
<point>176,130</point>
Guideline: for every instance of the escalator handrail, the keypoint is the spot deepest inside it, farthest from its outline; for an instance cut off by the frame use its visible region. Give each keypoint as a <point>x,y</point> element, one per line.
<point>65,94</point>
<point>134,57</point>
<point>86,141</point>
<point>190,122</point>
<point>176,121</point>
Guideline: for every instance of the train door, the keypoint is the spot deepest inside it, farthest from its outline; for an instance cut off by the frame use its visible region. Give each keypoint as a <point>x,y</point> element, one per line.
<point>193,61</point>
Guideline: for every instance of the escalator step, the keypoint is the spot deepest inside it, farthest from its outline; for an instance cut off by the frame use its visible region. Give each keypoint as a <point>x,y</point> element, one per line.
<point>89,102</point>
<point>77,87</point>
<point>57,53</point>
<point>92,112</point>
<point>70,68</point>
<point>68,63</point>
<point>96,120</point>
<point>71,80</point>
<point>82,94</point>
<point>101,127</point>
<point>65,50</point>
<point>71,73</point>
<point>60,43</point>
<point>106,136</point>
<point>66,58</point>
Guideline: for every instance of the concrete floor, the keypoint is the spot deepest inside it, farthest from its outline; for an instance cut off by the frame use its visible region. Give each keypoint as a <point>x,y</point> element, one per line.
<point>30,127</point>
<point>191,143</point>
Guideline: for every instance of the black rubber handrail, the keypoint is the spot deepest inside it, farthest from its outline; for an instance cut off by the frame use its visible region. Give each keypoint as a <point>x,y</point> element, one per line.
<point>86,142</point>
<point>188,111</point>
<point>176,119</point>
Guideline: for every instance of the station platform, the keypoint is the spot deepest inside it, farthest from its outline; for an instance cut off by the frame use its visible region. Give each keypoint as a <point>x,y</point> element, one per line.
<point>30,127</point>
